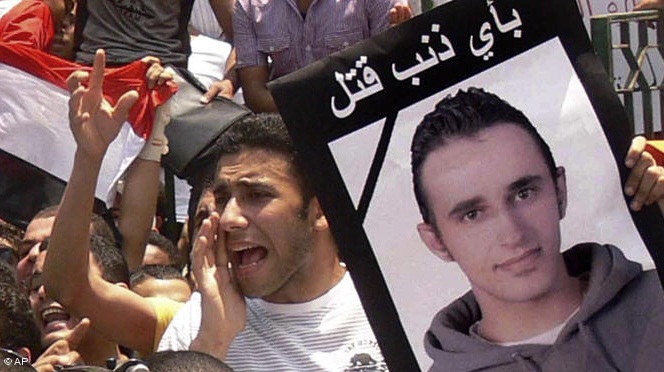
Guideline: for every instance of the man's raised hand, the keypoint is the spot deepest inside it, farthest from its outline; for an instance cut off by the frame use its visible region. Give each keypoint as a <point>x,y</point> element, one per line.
<point>93,121</point>
<point>223,308</point>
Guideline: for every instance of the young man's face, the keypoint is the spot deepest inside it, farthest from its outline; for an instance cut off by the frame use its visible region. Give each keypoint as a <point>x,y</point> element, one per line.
<point>497,212</point>
<point>269,235</point>
<point>37,231</point>
<point>54,322</point>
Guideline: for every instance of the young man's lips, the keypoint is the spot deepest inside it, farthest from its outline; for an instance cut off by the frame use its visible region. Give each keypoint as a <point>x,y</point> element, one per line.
<point>246,257</point>
<point>54,319</point>
<point>523,259</point>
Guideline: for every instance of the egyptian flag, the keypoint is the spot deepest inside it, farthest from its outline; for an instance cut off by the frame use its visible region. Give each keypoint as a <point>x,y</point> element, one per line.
<point>36,144</point>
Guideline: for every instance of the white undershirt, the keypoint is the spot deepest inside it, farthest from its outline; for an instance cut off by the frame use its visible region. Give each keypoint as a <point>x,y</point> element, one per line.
<point>547,337</point>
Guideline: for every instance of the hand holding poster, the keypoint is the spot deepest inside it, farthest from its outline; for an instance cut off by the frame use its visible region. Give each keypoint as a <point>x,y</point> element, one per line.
<point>356,133</point>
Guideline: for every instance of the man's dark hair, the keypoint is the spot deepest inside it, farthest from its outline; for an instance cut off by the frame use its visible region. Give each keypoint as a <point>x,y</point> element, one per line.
<point>13,235</point>
<point>185,361</point>
<point>110,260</point>
<point>461,116</point>
<point>164,272</point>
<point>7,274</point>
<point>100,226</point>
<point>265,131</point>
<point>47,212</point>
<point>17,322</point>
<point>175,257</point>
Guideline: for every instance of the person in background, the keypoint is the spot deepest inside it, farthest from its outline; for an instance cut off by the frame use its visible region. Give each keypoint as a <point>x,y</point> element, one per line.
<point>42,24</point>
<point>160,281</point>
<point>292,34</point>
<point>68,270</point>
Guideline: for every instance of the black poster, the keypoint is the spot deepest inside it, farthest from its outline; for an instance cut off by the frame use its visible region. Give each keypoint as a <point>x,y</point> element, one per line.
<point>353,115</point>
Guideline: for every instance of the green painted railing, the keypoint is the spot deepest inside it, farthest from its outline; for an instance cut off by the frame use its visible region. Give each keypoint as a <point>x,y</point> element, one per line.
<point>631,48</point>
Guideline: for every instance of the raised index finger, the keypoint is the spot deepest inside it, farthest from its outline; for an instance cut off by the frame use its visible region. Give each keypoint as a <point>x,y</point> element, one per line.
<point>97,75</point>
<point>76,335</point>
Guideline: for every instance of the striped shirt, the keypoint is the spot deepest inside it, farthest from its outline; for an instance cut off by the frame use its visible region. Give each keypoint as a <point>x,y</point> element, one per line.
<point>330,333</point>
<point>277,29</point>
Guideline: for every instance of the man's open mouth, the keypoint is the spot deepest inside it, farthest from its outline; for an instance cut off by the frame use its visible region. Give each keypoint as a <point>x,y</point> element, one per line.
<point>245,257</point>
<point>54,314</point>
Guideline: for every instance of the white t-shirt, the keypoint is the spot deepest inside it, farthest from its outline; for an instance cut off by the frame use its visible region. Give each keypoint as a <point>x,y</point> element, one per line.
<point>330,333</point>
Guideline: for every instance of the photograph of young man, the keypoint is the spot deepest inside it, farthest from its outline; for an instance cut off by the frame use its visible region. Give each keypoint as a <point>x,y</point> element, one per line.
<point>491,200</point>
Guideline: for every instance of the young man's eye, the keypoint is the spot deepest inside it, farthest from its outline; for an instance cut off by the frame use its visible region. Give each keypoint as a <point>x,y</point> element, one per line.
<point>471,215</point>
<point>221,199</point>
<point>258,194</point>
<point>524,194</point>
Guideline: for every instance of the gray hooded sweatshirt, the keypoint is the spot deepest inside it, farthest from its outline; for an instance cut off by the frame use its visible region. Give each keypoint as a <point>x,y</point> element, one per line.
<point>619,326</point>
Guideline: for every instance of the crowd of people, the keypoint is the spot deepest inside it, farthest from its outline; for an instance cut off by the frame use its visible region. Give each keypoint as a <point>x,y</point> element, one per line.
<point>256,282</point>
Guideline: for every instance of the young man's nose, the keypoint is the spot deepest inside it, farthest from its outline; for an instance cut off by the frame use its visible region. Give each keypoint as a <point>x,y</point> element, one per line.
<point>511,229</point>
<point>232,217</point>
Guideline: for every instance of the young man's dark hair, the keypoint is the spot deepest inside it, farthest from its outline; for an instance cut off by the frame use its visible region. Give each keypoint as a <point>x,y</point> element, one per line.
<point>465,115</point>
<point>17,324</point>
<point>185,361</point>
<point>99,225</point>
<point>175,257</point>
<point>163,272</point>
<point>110,260</point>
<point>10,237</point>
<point>264,131</point>
<point>7,274</point>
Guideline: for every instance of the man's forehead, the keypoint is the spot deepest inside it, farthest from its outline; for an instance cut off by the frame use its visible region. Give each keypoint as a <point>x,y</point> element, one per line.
<point>254,165</point>
<point>39,228</point>
<point>466,167</point>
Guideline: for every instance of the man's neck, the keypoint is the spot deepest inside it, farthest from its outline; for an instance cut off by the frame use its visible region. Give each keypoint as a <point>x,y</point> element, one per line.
<point>303,5</point>
<point>95,351</point>
<point>309,284</point>
<point>514,321</point>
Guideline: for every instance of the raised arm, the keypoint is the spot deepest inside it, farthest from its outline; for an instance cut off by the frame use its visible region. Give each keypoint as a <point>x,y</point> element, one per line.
<point>139,199</point>
<point>68,277</point>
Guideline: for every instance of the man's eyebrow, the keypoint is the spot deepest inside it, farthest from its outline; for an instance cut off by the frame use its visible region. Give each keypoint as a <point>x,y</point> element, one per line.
<point>220,186</point>
<point>253,182</point>
<point>524,181</point>
<point>466,205</point>
<point>25,245</point>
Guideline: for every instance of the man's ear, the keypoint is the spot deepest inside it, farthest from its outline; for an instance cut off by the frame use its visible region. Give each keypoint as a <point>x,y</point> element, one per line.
<point>430,237</point>
<point>561,191</point>
<point>320,221</point>
<point>24,352</point>
<point>123,285</point>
